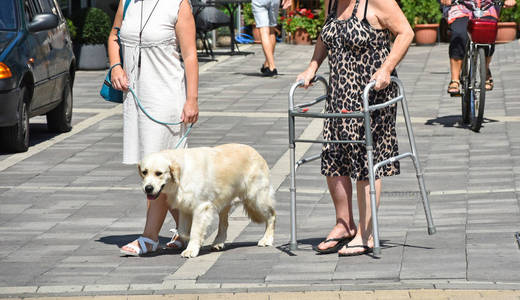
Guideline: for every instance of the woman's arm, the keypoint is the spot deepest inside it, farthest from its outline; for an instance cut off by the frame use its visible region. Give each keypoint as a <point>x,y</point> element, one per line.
<point>390,16</point>
<point>320,52</point>
<point>185,31</point>
<point>118,78</point>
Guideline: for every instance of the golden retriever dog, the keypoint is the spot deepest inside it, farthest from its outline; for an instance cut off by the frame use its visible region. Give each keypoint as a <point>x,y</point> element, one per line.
<point>204,182</point>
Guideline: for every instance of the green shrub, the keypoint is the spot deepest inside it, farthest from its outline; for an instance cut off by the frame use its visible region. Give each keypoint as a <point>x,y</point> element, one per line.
<point>73,31</point>
<point>302,19</point>
<point>247,13</point>
<point>510,14</point>
<point>421,11</point>
<point>93,26</point>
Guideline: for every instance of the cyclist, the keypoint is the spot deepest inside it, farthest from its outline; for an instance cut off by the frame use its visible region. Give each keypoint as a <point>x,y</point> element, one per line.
<point>458,14</point>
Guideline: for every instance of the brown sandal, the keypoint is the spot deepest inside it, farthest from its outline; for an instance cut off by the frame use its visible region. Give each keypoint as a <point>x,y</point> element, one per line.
<point>454,88</point>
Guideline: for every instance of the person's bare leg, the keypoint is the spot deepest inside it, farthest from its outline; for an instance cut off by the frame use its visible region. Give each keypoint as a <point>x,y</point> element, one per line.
<point>340,188</point>
<point>267,46</point>
<point>272,37</point>
<point>364,228</point>
<point>455,66</point>
<point>489,85</point>
<point>155,216</point>
<point>175,215</point>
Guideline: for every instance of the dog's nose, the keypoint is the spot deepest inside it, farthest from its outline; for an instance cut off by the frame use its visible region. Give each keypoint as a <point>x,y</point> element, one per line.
<point>148,189</point>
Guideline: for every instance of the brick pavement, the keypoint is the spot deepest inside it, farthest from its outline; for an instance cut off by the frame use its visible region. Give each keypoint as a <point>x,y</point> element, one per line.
<point>68,204</point>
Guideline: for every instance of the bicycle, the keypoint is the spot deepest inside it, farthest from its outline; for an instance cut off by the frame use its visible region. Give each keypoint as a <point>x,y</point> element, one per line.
<point>482,34</point>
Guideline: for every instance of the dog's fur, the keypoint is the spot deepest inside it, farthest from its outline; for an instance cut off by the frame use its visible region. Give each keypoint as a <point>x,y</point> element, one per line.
<point>202,182</point>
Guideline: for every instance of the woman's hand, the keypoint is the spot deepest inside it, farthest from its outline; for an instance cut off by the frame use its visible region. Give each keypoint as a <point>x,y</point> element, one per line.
<point>509,3</point>
<point>446,2</point>
<point>190,112</point>
<point>382,78</point>
<point>307,77</point>
<point>119,79</point>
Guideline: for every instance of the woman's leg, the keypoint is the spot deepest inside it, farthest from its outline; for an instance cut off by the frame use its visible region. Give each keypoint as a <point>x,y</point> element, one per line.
<point>155,215</point>
<point>340,188</point>
<point>457,49</point>
<point>364,228</point>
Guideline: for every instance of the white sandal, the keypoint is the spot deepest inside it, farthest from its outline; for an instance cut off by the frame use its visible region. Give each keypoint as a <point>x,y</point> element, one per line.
<point>176,241</point>
<point>141,249</point>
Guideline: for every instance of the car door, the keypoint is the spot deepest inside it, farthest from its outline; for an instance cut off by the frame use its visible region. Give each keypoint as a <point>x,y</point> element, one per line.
<point>59,55</point>
<point>39,48</point>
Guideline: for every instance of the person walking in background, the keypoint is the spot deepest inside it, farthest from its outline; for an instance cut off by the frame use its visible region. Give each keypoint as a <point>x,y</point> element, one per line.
<point>265,13</point>
<point>458,16</point>
<point>150,34</point>
<point>356,40</point>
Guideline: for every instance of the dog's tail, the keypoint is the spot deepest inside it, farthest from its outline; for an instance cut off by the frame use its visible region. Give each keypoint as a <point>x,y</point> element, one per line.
<point>260,206</point>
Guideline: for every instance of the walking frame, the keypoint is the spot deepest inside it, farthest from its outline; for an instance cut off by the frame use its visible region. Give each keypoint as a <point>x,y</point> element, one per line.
<point>300,110</point>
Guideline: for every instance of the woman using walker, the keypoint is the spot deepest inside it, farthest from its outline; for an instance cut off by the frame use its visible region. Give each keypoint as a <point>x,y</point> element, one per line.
<point>356,40</point>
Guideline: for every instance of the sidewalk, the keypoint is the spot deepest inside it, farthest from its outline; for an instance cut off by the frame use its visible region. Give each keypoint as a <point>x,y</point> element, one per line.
<point>68,204</point>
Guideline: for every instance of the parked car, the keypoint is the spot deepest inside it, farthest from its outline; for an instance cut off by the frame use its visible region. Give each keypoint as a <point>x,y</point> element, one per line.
<point>36,70</point>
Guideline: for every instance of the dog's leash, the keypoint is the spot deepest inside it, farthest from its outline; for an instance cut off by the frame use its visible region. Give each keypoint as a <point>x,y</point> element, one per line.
<point>161,122</point>
<point>185,135</point>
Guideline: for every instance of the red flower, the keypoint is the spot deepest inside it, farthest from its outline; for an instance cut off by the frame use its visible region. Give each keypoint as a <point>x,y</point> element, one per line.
<point>310,15</point>
<point>282,18</point>
<point>291,13</point>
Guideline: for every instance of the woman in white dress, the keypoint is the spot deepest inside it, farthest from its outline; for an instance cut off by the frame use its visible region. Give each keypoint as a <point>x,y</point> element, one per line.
<point>151,33</point>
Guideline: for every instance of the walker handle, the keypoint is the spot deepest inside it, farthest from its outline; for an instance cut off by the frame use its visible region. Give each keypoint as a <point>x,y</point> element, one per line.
<point>300,83</point>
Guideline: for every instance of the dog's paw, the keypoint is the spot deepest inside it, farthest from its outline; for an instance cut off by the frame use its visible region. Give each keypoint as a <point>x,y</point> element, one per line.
<point>265,242</point>
<point>218,246</point>
<point>190,252</point>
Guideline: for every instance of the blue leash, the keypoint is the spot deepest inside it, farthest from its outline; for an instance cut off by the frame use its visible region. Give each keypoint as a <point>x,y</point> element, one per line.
<point>161,122</point>
<point>152,118</point>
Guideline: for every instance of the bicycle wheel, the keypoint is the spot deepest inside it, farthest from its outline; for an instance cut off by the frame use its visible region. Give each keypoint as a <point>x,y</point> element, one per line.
<point>479,90</point>
<point>465,82</point>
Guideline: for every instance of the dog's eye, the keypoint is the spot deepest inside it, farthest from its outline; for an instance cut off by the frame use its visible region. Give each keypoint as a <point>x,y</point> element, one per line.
<point>145,172</point>
<point>158,174</point>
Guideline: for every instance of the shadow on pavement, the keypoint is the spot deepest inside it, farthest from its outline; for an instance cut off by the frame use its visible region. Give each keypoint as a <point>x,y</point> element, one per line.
<point>38,134</point>
<point>453,121</point>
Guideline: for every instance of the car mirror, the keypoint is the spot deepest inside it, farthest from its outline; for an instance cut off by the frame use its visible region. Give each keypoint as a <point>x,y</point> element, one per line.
<point>43,22</point>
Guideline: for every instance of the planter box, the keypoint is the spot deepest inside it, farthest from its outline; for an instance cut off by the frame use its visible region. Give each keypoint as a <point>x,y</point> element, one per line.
<point>426,34</point>
<point>92,57</point>
<point>506,32</point>
<point>301,37</point>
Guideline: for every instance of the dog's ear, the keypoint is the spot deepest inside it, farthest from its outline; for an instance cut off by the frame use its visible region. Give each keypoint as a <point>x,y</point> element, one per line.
<point>139,168</point>
<point>175,172</point>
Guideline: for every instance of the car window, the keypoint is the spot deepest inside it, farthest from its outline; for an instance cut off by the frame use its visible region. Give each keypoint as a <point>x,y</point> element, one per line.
<point>31,9</point>
<point>7,15</point>
<point>49,6</point>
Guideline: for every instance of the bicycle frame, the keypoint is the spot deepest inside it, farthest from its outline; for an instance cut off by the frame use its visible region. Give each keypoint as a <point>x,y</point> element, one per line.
<point>482,34</point>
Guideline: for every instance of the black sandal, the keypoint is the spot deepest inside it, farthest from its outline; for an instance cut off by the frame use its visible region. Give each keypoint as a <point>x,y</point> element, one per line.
<point>366,250</point>
<point>340,243</point>
<point>454,91</point>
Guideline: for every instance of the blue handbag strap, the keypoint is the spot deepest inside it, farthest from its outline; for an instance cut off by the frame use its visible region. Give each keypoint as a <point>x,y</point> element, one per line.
<point>127,2</point>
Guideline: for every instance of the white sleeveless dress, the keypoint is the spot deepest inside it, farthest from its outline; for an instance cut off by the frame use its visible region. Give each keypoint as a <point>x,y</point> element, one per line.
<point>159,83</point>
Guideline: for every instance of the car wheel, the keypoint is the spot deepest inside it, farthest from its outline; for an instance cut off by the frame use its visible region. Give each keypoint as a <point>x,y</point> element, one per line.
<point>16,138</point>
<point>59,119</point>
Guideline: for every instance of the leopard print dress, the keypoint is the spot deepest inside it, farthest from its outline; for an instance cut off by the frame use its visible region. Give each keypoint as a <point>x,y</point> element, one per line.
<point>356,50</point>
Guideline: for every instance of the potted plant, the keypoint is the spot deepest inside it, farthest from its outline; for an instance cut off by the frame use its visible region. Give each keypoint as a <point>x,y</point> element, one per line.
<point>508,24</point>
<point>93,29</point>
<point>249,21</point>
<point>424,17</point>
<point>302,25</point>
